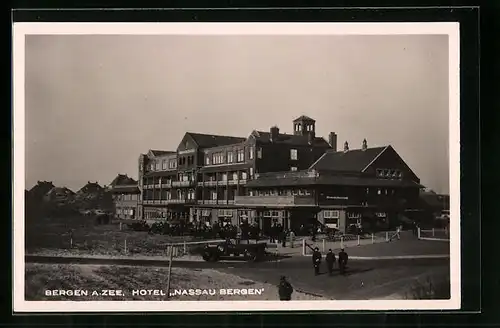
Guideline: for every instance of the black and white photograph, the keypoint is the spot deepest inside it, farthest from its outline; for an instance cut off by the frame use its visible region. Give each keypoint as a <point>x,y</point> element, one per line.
<point>236,167</point>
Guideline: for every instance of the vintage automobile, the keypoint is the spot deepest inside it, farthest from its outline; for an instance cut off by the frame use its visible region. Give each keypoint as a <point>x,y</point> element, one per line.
<point>250,252</point>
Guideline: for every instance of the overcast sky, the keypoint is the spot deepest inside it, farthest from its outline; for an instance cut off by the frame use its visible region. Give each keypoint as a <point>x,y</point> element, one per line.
<point>94,103</point>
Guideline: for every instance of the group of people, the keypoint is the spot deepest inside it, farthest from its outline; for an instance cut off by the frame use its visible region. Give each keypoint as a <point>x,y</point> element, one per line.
<point>330,260</point>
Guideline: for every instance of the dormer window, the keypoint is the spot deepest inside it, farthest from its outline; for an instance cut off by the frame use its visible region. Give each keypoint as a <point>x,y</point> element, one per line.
<point>380,173</point>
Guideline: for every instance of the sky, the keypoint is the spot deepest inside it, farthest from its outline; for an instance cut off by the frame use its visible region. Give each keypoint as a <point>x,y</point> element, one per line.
<point>95,102</point>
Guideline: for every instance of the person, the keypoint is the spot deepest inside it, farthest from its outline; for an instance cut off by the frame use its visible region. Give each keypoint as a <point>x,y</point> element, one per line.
<point>330,261</point>
<point>343,257</point>
<point>283,234</point>
<point>316,257</point>
<point>292,238</point>
<point>285,289</point>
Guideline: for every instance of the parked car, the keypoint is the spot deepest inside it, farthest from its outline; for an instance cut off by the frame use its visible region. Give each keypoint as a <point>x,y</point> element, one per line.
<point>229,248</point>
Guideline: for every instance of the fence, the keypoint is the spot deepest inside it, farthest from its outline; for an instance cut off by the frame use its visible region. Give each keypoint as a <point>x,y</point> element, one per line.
<point>434,234</point>
<point>348,241</point>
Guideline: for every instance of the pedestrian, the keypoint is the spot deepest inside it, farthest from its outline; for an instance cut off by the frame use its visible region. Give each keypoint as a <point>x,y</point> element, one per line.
<point>316,257</point>
<point>330,261</point>
<point>285,289</point>
<point>283,235</point>
<point>292,238</point>
<point>343,257</point>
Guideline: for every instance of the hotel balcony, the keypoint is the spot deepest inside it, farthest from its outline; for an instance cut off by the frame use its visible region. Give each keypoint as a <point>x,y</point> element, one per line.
<point>274,201</point>
<point>182,183</point>
<point>168,201</point>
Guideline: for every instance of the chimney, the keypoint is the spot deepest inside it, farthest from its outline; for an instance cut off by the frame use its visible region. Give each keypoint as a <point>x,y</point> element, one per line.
<point>346,147</point>
<point>310,137</point>
<point>274,131</point>
<point>364,146</point>
<point>332,140</point>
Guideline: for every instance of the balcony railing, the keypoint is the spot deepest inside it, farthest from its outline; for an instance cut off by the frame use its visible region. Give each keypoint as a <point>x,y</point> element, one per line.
<point>210,183</point>
<point>222,182</point>
<point>242,181</point>
<point>275,200</point>
<point>232,182</point>
<point>182,183</point>
<point>166,185</point>
<point>168,201</point>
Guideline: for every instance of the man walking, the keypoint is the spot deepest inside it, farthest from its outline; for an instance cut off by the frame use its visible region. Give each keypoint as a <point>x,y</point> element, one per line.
<point>316,257</point>
<point>330,261</point>
<point>343,257</point>
<point>285,289</point>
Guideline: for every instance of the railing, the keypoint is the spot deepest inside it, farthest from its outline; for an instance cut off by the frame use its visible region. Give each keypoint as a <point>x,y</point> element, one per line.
<point>242,181</point>
<point>434,234</point>
<point>230,202</point>
<point>275,200</point>
<point>166,185</point>
<point>210,183</point>
<point>232,182</point>
<point>182,183</point>
<point>222,182</point>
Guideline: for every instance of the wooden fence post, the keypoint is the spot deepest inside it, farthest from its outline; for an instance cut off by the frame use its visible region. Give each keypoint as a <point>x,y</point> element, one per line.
<point>169,275</point>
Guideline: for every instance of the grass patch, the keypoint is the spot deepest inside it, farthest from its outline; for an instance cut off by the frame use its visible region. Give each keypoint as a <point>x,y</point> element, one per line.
<point>430,289</point>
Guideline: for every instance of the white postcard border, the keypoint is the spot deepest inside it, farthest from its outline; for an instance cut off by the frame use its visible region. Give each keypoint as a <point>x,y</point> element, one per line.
<point>20,30</point>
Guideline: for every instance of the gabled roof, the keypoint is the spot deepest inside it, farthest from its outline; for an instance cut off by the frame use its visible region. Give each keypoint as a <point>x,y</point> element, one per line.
<point>122,180</point>
<point>290,139</point>
<point>212,140</point>
<point>161,152</point>
<point>90,187</point>
<point>354,160</point>
<point>61,190</point>
<point>304,118</point>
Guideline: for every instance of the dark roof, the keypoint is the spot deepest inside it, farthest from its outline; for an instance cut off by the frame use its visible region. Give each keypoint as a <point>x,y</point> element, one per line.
<point>329,180</point>
<point>161,152</point>
<point>291,139</point>
<point>91,187</point>
<point>212,140</point>
<point>122,179</point>
<point>354,160</point>
<point>61,190</point>
<point>304,118</point>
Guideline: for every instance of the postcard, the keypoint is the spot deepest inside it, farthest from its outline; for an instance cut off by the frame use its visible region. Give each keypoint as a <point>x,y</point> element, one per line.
<point>180,167</point>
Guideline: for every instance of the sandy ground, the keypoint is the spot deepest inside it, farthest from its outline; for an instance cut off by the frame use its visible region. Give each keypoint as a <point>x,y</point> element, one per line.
<point>93,279</point>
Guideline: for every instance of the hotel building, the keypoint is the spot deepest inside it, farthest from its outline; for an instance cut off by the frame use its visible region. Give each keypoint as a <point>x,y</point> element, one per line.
<point>270,176</point>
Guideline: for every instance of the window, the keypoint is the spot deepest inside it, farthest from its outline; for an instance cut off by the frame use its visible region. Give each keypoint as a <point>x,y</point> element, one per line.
<point>293,154</point>
<point>191,195</point>
<point>387,173</point>
<point>331,214</point>
<point>243,175</point>
<point>172,164</point>
<point>225,213</point>
<point>259,153</point>
<point>230,156</point>
<point>379,191</point>
<point>251,172</point>
<point>214,195</point>
<point>380,215</point>
<point>235,176</point>
<point>293,168</point>
<point>352,215</point>
<point>164,164</point>
<point>400,175</point>
<point>240,156</point>
<point>152,166</point>
<point>157,166</point>
<point>250,153</point>
<point>224,177</point>
<point>367,191</point>
<point>207,159</point>
<point>380,172</point>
